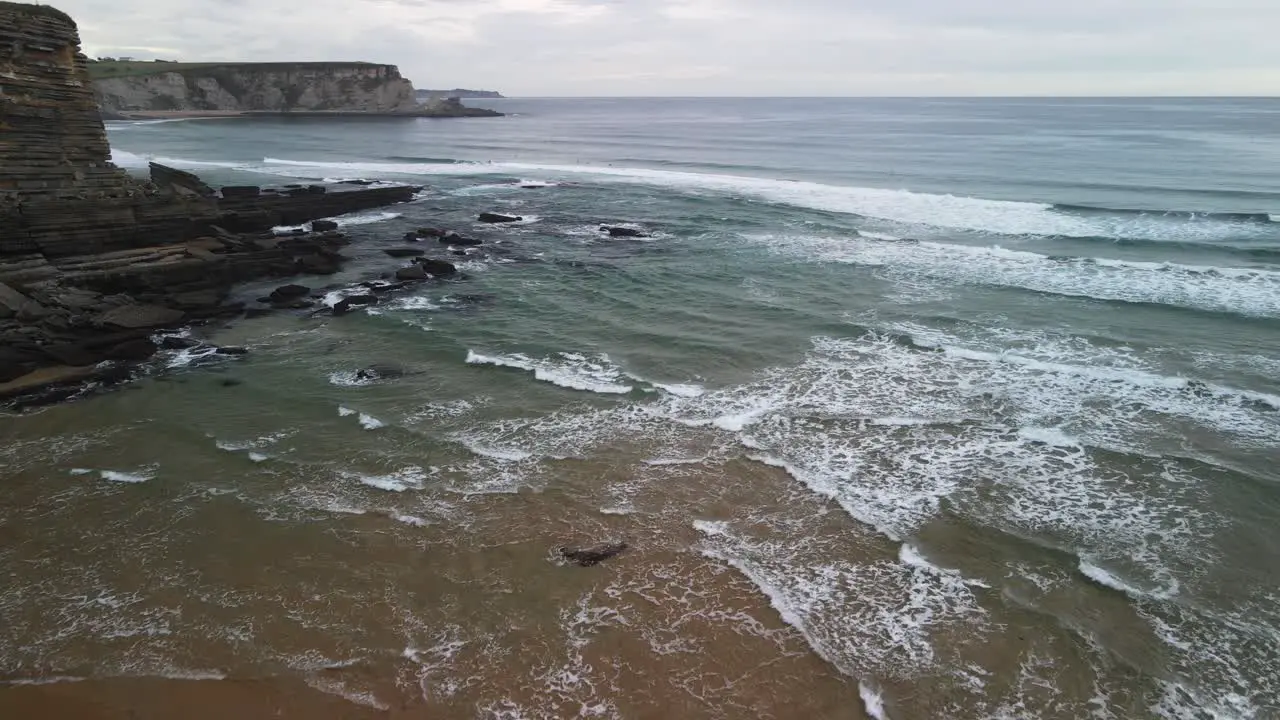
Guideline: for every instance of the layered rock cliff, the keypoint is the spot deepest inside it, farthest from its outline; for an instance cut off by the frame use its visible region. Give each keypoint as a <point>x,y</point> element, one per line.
<point>93,261</point>
<point>261,87</point>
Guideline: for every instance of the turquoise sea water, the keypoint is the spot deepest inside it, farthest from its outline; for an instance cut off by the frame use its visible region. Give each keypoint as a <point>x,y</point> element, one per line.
<point>908,408</point>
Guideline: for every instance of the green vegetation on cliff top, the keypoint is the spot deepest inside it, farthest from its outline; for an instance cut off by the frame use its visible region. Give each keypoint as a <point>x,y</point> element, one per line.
<point>104,69</point>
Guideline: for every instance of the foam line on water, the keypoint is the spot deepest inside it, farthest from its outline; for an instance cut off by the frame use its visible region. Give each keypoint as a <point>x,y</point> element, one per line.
<point>1246,291</point>
<point>574,371</point>
<point>1006,217</point>
<point>408,478</point>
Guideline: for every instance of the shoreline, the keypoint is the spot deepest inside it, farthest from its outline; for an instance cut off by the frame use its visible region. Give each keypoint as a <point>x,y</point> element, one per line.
<point>464,112</point>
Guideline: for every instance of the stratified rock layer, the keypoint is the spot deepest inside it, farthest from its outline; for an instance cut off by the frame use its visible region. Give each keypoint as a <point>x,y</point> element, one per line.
<point>92,261</point>
<point>52,144</point>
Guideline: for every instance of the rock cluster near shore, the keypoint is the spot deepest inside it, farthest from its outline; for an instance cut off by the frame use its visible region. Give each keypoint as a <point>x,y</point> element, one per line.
<point>94,262</point>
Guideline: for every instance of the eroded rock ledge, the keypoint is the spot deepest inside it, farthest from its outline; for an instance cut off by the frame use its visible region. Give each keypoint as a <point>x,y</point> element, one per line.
<point>93,261</point>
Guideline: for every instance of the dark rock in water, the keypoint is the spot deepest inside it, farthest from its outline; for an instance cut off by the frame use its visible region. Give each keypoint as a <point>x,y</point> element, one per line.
<point>460,253</point>
<point>230,382</point>
<point>618,231</point>
<point>323,225</point>
<point>1199,388</point>
<point>453,238</point>
<point>318,265</point>
<point>404,252</point>
<point>355,182</point>
<point>296,304</point>
<point>380,371</point>
<point>385,287</point>
<point>174,342</point>
<point>344,306</point>
<point>141,316</point>
<point>133,350</point>
<point>292,186</point>
<point>592,556</point>
<point>412,237</point>
<point>232,350</point>
<point>439,268</point>
<point>288,292</point>
<point>413,272</point>
<point>488,217</point>
<point>241,191</point>
<point>430,232</point>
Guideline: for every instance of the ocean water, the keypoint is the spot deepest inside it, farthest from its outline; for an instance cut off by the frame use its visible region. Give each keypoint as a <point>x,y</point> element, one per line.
<point>906,408</point>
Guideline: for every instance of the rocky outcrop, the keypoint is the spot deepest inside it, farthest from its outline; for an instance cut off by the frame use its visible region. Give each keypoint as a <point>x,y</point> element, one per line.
<point>459,93</point>
<point>92,261</point>
<point>269,87</point>
<point>453,107</point>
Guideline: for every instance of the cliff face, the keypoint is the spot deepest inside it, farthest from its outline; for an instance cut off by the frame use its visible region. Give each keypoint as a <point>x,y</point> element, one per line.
<point>263,87</point>
<point>92,262</point>
<point>52,144</point>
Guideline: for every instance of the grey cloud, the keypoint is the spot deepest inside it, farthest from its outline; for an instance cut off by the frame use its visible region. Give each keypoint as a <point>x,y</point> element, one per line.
<point>731,47</point>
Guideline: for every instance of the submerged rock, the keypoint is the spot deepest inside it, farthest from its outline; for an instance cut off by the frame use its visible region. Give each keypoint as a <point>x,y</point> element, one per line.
<point>439,268</point>
<point>381,371</point>
<point>323,225</point>
<point>592,556</point>
<point>619,231</point>
<point>453,238</point>
<point>412,272</point>
<point>404,252</point>
<point>289,292</point>
<point>488,217</point>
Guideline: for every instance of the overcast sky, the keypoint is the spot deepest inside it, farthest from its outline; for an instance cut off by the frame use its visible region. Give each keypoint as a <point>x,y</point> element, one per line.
<point>730,47</point>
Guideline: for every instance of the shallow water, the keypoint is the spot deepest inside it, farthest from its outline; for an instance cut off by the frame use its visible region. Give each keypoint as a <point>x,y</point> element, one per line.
<point>906,409</point>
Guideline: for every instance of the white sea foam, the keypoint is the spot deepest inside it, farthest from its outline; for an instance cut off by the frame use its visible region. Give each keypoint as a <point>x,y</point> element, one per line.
<point>134,477</point>
<point>350,378</point>
<point>859,617</point>
<point>369,422</point>
<point>904,206</point>
<point>1105,577</point>
<point>192,356</point>
<point>365,218</point>
<point>1246,291</point>
<point>1049,436</point>
<point>506,455</point>
<point>256,443</point>
<point>126,159</point>
<point>118,477</point>
<point>414,302</point>
<point>345,412</point>
<point>685,390</point>
<point>568,370</point>
<point>872,702</point>
<point>409,478</point>
<point>259,457</point>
